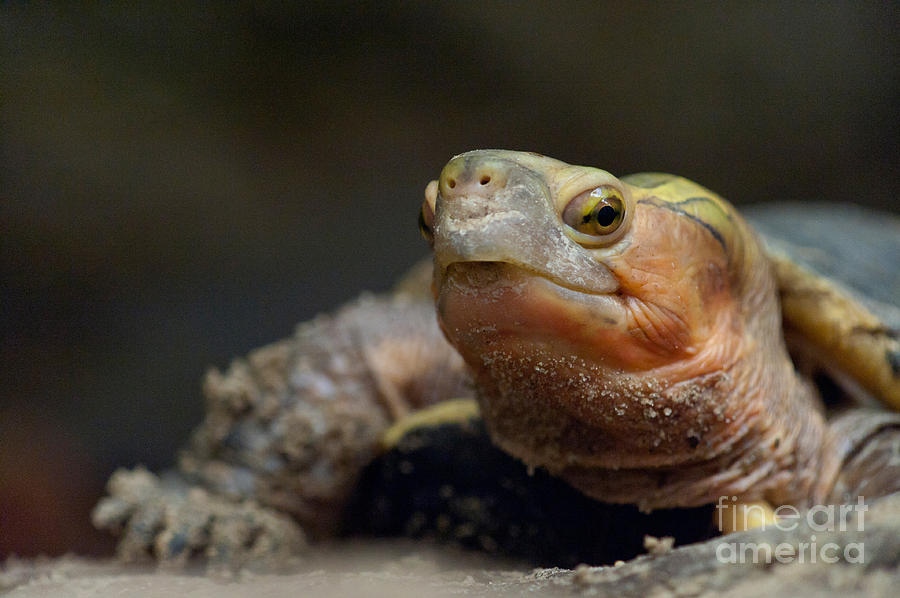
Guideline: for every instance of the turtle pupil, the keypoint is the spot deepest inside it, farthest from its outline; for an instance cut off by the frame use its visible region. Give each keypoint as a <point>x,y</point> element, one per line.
<point>606,215</point>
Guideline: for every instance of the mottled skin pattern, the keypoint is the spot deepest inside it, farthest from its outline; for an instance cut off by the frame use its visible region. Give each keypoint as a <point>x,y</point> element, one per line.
<point>643,365</point>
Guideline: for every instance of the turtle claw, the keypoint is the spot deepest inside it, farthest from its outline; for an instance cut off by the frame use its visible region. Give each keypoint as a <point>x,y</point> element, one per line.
<point>135,507</point>
<point>185,528</point>
<point>173,522</point>
<point>247,535</point>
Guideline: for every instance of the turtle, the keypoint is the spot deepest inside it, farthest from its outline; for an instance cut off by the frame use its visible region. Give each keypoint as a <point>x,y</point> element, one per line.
<point>582,353</point>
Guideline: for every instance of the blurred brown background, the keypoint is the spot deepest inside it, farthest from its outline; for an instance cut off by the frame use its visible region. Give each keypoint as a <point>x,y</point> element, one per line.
<point>178,186</point>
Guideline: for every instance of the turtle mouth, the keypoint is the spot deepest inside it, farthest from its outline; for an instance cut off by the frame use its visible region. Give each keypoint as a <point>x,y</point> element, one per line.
<point>497,281</point>
<point>486,305</point>
<point>490,273</point>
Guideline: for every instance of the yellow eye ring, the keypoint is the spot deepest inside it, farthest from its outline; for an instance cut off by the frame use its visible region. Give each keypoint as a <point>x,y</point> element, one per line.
<point>597,213</point>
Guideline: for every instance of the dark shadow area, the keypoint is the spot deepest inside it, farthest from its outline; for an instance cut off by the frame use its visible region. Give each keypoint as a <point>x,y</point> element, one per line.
<point>449,484</point>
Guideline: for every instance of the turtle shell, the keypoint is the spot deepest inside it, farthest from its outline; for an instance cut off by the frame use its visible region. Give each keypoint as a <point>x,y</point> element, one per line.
<point>837,270</point>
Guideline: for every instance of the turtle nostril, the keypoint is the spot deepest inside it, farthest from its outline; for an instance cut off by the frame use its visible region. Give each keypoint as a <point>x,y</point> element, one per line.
<point>485,179</point>
<point>451,183</point>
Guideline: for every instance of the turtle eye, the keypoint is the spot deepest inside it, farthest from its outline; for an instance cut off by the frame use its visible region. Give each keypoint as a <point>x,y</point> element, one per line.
<point>426,222</point>
<point>596,213</point>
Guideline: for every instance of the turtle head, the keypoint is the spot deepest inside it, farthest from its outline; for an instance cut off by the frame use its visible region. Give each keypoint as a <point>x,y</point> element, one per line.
<point>590,308</point>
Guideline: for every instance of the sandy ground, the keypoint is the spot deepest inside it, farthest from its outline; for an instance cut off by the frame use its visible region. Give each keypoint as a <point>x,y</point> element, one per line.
<point>368,567</point>
<point>376,567</point>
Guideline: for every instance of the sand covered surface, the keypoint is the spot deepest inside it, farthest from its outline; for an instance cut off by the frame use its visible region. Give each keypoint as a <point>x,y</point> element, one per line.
<point>867,564</point>
<point>353,568</point>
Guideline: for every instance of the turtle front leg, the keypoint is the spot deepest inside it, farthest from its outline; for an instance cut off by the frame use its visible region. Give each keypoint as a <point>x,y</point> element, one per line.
<point>286,434</point>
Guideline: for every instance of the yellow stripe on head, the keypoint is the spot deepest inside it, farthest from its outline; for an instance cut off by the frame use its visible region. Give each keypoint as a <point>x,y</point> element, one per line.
<point>707,209</point>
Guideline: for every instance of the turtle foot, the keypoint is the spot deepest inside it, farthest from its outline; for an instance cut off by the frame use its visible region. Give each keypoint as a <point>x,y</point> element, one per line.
<point>171,521</point>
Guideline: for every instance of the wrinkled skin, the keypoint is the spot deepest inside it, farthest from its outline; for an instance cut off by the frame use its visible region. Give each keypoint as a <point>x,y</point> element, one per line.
<point>647,366</point>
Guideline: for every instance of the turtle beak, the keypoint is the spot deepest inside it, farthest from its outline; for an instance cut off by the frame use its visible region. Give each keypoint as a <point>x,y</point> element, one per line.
<point>494,206</point>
